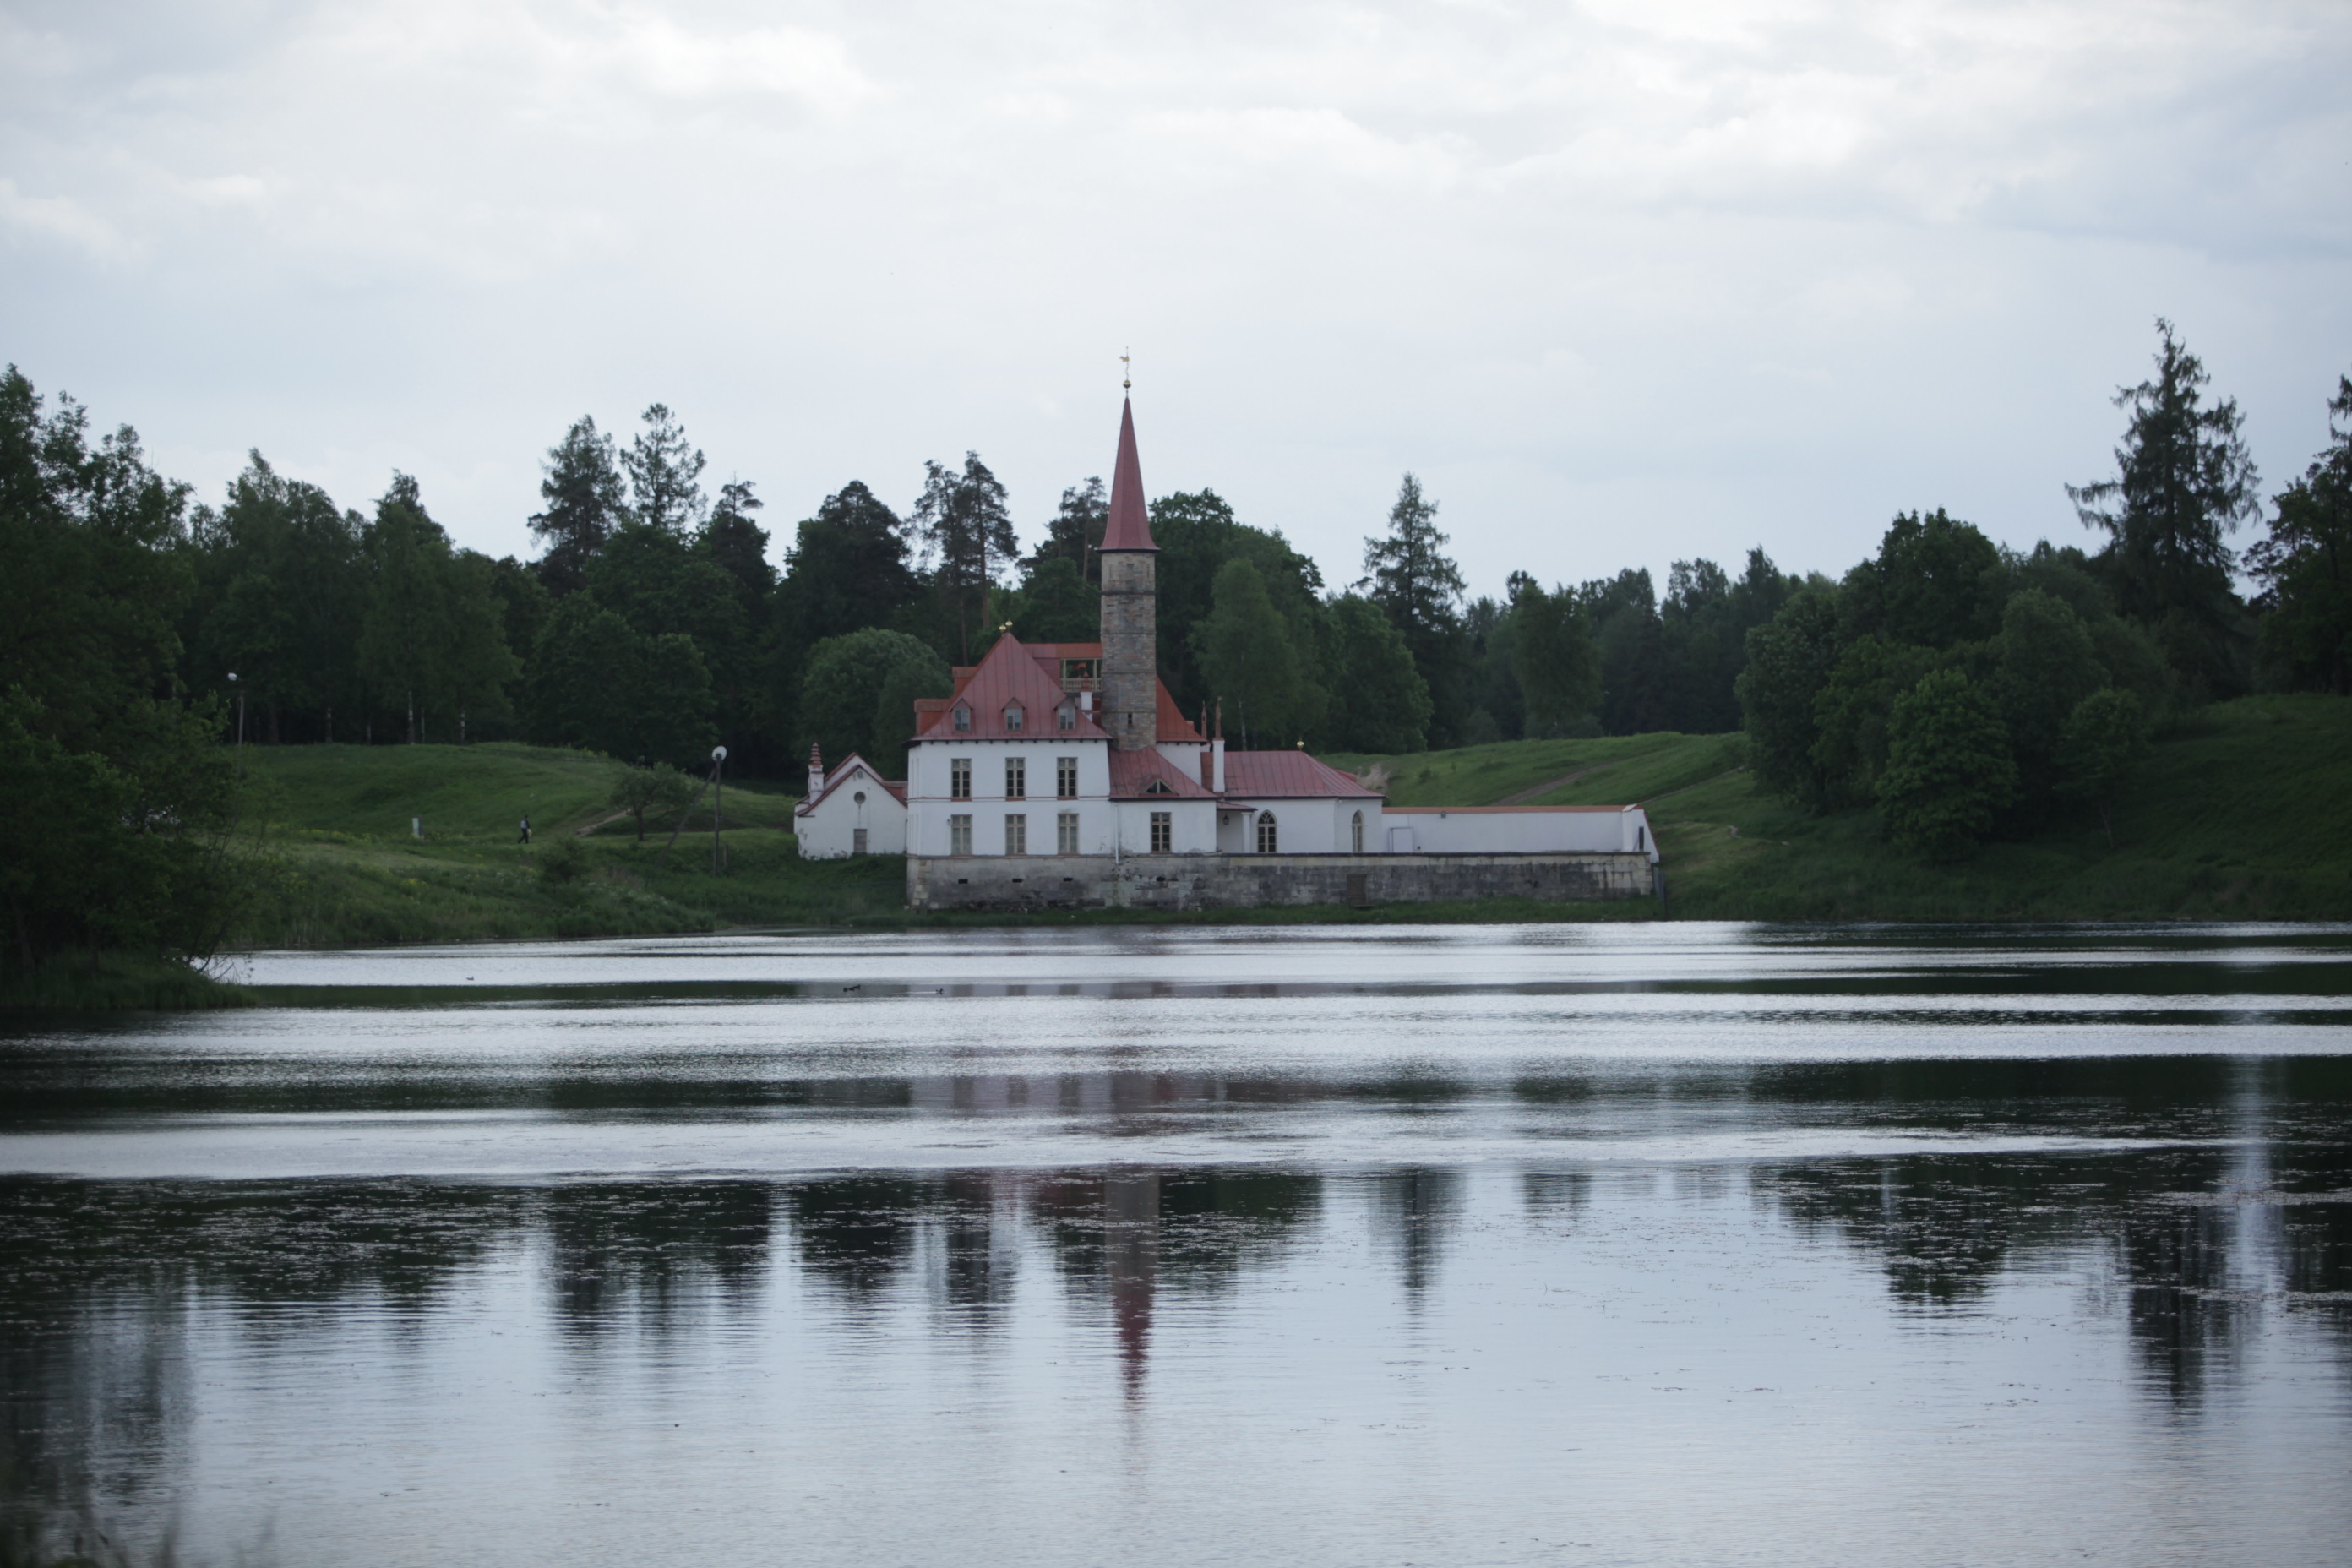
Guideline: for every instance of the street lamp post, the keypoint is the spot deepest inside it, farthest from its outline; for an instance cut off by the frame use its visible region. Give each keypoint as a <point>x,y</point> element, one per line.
<point>240,709</point>
<point>718,794</point>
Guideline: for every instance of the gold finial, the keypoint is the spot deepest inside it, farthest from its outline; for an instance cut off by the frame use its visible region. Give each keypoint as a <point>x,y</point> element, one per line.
<point>1005,627</point>
<point>1126,372</point>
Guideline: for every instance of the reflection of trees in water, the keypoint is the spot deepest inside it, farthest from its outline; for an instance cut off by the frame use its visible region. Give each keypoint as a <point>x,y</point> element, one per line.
<point>2196,1261</point>
<point>99,1281</point>
<point>1414,1209</point>
<point>654,1255</point>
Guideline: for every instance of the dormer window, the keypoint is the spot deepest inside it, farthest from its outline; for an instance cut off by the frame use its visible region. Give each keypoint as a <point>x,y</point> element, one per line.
<point>962,719</point>
<point>1158,786</point>
<point>1065,717</point>
<point>1013,716</point>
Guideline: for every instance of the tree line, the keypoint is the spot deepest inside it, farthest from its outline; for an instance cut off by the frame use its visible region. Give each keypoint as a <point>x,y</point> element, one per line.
<point>1967,691</point>
<point>1962,688</point>
<point>651,623</point>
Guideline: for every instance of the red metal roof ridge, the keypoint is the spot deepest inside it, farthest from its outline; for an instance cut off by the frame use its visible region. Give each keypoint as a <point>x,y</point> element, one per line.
<point>1142,767</point>
<point>1468,810</point>
<point>1131,521</point>
<point>1005,674</point>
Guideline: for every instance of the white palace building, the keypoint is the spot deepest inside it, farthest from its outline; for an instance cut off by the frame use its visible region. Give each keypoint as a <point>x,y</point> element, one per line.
<point>1062,775</point>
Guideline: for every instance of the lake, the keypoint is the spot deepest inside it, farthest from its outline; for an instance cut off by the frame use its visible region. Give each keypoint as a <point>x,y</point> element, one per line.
<point>1662,1243</point>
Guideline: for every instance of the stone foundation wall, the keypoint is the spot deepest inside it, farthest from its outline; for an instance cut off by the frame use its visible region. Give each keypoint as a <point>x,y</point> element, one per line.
<point>1248,882</point>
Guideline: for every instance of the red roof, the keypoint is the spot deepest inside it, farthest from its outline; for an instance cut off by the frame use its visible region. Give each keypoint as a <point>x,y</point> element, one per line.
<point>854,766</point>
<point>1271,775</point>
<point>1133,773</point>
<point>1131,524</point>
<point>1006,676</point>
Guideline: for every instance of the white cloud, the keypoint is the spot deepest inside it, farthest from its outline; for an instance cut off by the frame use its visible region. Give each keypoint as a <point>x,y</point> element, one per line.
<point>1749,271</point>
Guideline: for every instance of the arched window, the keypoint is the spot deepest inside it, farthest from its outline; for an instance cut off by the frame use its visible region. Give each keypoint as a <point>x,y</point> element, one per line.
<point>1013,717</point>
<point>1266,833</point>
<point>1356,830</point>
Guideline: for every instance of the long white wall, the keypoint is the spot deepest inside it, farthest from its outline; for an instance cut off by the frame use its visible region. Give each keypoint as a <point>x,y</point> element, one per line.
<point>1519,830</point>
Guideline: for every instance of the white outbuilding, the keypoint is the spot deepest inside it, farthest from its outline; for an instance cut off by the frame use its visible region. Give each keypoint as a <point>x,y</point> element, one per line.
<point>853,810</point>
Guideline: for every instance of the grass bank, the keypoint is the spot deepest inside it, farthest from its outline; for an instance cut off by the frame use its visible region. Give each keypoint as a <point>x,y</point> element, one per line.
<point>115,982</point>
<point>2242,811</point>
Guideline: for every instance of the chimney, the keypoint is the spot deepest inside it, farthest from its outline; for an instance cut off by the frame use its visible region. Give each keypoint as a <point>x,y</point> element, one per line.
<point>816,771</point>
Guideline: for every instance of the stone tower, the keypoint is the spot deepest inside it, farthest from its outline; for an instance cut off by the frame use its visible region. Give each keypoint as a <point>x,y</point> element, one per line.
<point>1130,619</point>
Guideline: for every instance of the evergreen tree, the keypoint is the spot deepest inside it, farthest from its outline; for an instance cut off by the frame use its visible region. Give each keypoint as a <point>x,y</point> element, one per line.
<point>1948,768</point>
<point>1410,576</point>
<point>2305,565</point>
<point>1056,604</point>
<point>848,568</point>
<point>2184,481</point>
<point>1075,531</point>
<point>967,530</point>
<point>738,546</point>
<point>586,500</point>
<point>665,473</point>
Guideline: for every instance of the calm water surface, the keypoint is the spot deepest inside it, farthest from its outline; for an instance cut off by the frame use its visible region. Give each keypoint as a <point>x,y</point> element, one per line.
<point>1616,1245</point>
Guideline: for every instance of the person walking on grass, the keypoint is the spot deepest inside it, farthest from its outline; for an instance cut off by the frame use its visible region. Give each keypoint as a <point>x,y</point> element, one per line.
<point>526,830</point>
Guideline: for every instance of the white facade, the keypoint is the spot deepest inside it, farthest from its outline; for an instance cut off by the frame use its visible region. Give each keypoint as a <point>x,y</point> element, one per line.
<point>934,803</point>
<point>1301,827</point>
<point>851,811</point>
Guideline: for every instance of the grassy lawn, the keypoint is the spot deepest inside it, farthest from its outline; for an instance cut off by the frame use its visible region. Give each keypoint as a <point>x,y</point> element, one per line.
<point>344,867</point>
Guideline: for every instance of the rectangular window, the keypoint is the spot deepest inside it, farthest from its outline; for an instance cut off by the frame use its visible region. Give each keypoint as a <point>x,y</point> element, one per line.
<point>960,779</point>
<point>1016,778</point>
<point>1065,833</point>
<point>1065,777</point>
<point>1065,717</point>
<point>1016,835</point>
<point>857,841</point>
<point>1163,831</point>
<point>958,835</point>
<point>1012,719</point>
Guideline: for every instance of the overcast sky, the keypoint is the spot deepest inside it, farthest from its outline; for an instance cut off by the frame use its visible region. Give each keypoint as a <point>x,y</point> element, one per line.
<point>1624,281</point>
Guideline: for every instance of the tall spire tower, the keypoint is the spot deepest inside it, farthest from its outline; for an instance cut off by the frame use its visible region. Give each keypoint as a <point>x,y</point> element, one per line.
<point>1130,617</point>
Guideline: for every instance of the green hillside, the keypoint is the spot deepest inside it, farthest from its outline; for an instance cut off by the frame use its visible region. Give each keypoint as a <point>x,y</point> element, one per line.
<point>2242,811</point>
<point>344,865</point>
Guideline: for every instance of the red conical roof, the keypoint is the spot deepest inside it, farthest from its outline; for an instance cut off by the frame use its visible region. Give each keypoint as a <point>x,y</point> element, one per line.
<point>1130,525</point>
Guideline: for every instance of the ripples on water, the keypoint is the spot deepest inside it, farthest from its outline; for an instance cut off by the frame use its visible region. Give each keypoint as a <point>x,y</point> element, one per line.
<point>1669,1244</point>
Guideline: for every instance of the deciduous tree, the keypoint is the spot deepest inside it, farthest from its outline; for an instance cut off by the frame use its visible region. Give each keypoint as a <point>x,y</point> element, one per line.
<point>1948,769</point>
